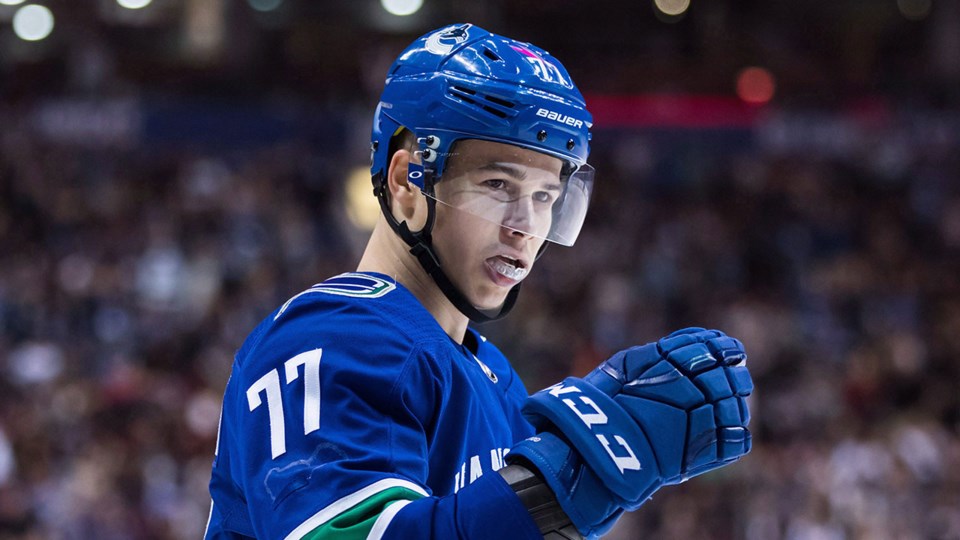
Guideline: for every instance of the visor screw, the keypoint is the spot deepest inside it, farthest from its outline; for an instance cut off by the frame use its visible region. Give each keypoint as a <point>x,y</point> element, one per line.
<point>570,144</point>
<point>542,136</point>
<point>429,155</point>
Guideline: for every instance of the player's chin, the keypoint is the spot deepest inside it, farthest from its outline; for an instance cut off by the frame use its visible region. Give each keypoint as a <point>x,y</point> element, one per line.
<point>489,302</point>
<point>490,297</point>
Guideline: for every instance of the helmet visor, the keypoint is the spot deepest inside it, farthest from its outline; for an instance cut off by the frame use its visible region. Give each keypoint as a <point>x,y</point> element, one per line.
<point>522,190</point>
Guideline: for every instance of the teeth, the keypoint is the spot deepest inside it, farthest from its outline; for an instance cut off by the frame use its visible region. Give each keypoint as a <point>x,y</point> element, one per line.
<point>506,269</point>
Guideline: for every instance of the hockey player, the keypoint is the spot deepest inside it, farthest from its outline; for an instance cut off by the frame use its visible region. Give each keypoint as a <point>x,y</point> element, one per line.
<point>365,407</point>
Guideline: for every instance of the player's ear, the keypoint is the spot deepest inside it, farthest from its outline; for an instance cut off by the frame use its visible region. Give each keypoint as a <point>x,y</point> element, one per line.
<point>406,201</point>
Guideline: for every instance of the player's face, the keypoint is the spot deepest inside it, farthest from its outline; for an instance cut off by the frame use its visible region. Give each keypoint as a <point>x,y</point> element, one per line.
<point>495,209</point>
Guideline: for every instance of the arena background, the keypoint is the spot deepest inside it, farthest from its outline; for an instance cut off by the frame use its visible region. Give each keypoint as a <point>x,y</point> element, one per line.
<point>171,171</point>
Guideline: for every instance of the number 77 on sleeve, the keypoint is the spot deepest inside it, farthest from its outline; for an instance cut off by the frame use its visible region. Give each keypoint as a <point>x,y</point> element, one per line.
<point>269,384</point>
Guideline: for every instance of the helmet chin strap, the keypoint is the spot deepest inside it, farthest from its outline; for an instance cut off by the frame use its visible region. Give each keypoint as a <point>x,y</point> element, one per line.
<point>421,246</point>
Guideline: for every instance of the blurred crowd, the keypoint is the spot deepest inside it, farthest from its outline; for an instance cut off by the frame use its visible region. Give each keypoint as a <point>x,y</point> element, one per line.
<point>825,237</point>
<point>128,279</point>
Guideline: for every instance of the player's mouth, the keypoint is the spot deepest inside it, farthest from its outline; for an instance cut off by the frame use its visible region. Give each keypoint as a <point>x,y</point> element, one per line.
<point>507,271</point>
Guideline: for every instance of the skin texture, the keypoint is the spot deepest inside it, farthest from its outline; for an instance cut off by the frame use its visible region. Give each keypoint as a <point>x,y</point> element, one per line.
<point>511,187</point>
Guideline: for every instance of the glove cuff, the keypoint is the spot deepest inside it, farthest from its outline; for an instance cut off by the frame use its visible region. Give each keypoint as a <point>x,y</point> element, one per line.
<point>607,438</point>
<point>591,507</point>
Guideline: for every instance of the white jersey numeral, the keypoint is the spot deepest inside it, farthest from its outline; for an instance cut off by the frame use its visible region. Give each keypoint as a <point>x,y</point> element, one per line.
<point>310,361</point>
<point>270,385</point>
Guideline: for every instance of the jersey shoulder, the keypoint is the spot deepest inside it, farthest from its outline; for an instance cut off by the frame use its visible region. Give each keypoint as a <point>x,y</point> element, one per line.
<point>349,287</point>
<point>364,322</point>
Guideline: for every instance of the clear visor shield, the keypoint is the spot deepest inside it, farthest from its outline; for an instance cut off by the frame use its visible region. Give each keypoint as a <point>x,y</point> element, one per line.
<point>534,198</point>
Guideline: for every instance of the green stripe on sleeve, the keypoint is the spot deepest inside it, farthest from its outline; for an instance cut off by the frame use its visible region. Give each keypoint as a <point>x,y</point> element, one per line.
<point>356,522</point>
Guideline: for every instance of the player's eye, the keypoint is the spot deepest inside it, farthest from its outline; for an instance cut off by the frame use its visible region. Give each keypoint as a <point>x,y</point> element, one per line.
<point>500,189</point>
<point>495,184</point>
<point>543,197</point>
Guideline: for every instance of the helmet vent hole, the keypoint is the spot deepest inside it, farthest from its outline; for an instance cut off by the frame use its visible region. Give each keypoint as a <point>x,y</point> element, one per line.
<point>464,94</point>
<point>498,101</point>
<point>492,55</point>
<point>465,90</point>
<point>496,106</point>
<point>495,112</point>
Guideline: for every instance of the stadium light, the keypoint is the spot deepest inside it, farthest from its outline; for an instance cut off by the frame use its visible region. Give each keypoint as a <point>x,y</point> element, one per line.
<point>401,8</point>
<point>33,22</point>
<point>134,4</point>
<point>755,85</point>
<point>672,8</point>
<point>11,2</point>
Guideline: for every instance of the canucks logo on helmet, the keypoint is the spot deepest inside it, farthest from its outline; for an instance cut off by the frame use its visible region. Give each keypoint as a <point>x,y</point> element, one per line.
<point>443,41</point>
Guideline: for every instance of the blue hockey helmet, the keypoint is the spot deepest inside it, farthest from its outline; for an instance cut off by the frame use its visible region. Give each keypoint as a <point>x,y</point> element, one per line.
<point>462,82</point>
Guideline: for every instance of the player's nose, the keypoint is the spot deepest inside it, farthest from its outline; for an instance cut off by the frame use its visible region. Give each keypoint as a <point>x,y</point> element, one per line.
<point>519,216</point>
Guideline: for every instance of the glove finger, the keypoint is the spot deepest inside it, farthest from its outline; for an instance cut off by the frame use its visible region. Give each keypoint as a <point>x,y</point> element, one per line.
<point>731,417</point>
<point>714,384</point>
<point>701,438</point>
<point>726,412</point>
<point>715,438</point>
<point>606,378</point>
<point>692,359</point>
<point>666,384</point>
<point>733,442</point>
<point>740,380</point>
<point>688,336</point>
<point>622,367</point>
<point>638,360</point>
<point>674,342</point>
<point>727,350</point>
<point>744,411</point>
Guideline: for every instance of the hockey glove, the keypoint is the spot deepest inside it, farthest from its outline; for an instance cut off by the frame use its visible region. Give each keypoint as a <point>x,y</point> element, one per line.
<point>648,416</point>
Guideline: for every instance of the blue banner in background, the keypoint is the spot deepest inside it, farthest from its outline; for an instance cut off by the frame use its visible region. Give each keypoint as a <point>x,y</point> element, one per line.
<point>206,125</point>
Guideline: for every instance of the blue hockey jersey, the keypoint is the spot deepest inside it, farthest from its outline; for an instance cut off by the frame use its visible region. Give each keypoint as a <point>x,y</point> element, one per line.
<point>350,413</point>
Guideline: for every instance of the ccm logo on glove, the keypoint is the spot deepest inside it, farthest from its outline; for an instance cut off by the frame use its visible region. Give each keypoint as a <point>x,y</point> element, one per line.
<point>596,417</point>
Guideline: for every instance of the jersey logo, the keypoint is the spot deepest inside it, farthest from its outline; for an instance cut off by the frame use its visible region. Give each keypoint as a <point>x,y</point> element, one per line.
<point>351,284</point>
<point>489,372</point>
<point>355,285</point>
